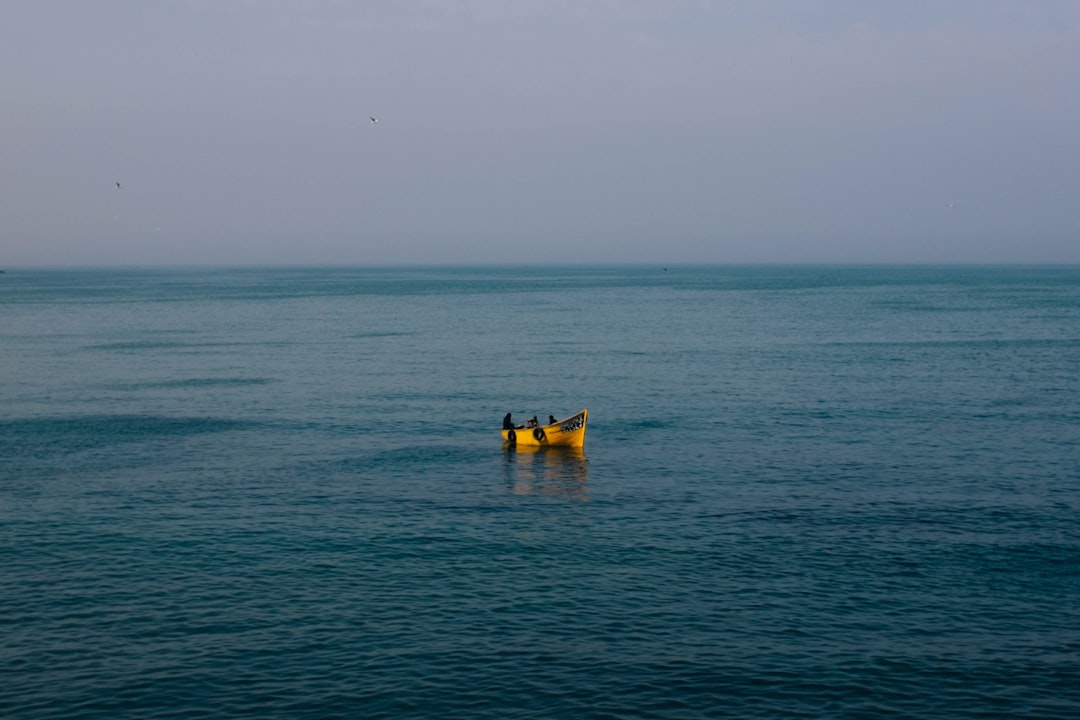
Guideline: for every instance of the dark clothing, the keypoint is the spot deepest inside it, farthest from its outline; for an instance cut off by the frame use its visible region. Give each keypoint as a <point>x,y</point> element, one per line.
<point>508,424</point>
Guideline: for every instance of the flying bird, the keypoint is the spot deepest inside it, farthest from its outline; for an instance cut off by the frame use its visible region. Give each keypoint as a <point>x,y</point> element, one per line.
<point>117,186</point>
<point>374,120</point>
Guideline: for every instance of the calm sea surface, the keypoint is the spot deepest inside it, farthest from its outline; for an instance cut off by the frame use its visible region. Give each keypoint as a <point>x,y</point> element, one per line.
<point>281,493</point>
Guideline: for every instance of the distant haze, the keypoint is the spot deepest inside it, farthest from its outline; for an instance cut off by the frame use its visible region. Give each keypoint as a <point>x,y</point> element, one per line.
<point>539,131</point>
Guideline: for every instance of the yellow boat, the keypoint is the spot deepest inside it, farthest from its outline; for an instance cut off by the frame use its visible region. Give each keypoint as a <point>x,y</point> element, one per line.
<point>565,433</point>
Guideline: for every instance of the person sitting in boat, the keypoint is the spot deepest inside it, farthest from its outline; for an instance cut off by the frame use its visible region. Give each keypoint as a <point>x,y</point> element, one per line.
<point>532,422</point>
<point>508,424</point>
<point>552,420</point>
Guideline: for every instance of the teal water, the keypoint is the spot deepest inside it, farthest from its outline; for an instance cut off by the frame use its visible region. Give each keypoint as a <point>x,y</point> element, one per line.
<point>280,493</point>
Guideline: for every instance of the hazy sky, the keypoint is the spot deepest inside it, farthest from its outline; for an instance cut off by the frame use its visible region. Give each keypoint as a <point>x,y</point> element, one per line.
<point>538,131</point>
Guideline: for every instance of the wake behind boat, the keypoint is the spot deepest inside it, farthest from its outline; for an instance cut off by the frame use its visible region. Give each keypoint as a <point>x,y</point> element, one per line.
<point>563,433</point>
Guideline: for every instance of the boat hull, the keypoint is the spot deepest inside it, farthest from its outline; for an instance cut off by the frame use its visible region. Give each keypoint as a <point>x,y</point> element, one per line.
<point>565,433</point>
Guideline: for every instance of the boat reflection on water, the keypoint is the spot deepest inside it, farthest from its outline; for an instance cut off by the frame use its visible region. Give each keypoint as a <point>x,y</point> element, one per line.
<point>550,471</point>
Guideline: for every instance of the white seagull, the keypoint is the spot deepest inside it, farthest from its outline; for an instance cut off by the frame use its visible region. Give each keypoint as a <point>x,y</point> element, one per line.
<point>374,120</point>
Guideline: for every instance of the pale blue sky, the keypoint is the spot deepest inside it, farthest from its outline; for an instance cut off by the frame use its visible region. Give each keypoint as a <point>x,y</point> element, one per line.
<point>538,131</point>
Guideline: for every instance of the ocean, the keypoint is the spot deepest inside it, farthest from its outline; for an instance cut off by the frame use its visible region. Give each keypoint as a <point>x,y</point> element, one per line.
<point>806,492</point>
